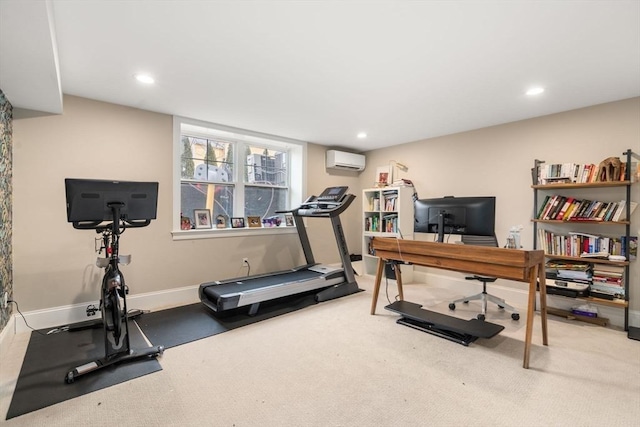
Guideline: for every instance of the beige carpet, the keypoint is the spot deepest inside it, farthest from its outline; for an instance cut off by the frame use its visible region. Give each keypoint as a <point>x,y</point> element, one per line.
<point>333,364</point>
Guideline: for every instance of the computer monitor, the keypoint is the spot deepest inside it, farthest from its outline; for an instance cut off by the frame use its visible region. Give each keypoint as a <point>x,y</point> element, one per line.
<point>456,215</point>
<point>92,200</point>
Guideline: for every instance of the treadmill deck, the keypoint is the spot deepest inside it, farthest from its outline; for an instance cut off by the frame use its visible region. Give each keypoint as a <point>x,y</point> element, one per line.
<point>254,289</point>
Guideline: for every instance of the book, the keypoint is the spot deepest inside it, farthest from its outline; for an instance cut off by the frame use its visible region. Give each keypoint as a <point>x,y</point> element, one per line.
<point>615,291</point>
<point>565,207</point>
<point>601,211</point>
<point>592,208</point>
<point>556,207</point>
<point>583,208</point>
<point>610,211</point>
<point>608,270</point>
<point>542,207</point>
<point>623,212</point>
<point>602,254</point>
<point>575,210</point>
<point>550,205</point>
<point>569,213</point>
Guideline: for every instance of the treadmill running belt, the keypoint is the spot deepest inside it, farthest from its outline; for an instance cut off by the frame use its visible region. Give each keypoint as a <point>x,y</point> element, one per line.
<point>250,283</point>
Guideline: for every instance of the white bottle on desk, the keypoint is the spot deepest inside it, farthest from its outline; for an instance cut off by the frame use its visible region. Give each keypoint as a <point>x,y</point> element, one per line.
<point>513,241</point>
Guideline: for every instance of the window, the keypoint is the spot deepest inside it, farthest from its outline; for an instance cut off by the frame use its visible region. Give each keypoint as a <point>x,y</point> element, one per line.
<point>233,172</point>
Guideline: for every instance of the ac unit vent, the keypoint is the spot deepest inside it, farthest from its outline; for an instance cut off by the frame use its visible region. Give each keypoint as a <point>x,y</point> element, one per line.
<point>345,161</point>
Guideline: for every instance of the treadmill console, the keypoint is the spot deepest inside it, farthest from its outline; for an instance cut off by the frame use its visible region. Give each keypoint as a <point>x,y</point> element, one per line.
<point>332,202</point>
<point>332,194</point>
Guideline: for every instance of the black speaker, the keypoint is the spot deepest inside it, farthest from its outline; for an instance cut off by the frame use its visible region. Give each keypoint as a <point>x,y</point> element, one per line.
<point>390,270</point>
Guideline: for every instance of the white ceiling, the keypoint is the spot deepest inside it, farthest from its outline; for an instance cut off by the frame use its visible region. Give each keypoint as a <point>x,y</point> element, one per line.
<point>322,71</point>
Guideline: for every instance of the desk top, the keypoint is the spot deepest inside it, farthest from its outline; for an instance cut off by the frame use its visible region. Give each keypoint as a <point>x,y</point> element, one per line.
<point>512,264</point>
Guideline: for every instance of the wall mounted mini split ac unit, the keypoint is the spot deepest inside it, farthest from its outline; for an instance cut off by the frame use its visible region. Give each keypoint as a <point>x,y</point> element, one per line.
<point>345,161</point>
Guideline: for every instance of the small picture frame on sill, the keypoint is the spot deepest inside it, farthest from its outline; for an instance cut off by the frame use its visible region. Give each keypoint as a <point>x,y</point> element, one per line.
<point>288,220</point>
<point>237,222</point>
<point>254,221</point>
<point>222,221</point>
<point>203,218</point>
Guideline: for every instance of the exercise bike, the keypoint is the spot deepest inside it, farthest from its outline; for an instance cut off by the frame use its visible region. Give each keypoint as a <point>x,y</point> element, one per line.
<point>113,293</point>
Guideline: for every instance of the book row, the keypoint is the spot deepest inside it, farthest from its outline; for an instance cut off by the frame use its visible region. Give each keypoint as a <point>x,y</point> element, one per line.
<point>566,208</point>
<point>388,203</point>
<point>387,224</point>
<point>583,279</point>
<point>583,245</point>
<point>574,172</point>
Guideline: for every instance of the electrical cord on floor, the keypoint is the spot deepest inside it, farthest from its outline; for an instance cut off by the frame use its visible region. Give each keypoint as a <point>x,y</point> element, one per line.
<point>386,284</point>
<point>24,318</point>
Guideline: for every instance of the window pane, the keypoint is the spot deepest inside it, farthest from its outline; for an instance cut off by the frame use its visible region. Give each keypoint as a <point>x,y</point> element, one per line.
<point>266,166</point>
<point>206,159</point>
<point>264,201</point>
<point>216,197</point>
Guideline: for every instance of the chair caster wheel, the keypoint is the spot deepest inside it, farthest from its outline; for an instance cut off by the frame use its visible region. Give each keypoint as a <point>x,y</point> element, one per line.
<point>480,316</point>
<point>515,316</point>
<point>69,378</point>
<point>452,306</point>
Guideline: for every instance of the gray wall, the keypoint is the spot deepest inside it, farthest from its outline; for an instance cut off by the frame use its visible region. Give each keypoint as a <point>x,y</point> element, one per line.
<point>54,263</point>
<point>496,161</point>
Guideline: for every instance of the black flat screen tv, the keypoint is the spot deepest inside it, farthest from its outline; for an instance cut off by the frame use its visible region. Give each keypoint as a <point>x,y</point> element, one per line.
<point>456,215</point>
<point>91,200</point>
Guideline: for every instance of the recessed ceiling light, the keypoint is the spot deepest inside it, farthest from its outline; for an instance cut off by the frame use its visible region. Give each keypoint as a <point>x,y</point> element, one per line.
<point>145,78</point>
<point>535,91</point>
<point>362,135</point>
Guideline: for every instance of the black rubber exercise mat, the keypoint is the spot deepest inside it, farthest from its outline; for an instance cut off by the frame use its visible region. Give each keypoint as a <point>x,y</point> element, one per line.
<point>41,382</point>
<point>180,325</point>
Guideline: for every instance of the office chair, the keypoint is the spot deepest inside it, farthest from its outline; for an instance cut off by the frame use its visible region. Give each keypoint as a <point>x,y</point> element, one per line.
<point>484,296</point>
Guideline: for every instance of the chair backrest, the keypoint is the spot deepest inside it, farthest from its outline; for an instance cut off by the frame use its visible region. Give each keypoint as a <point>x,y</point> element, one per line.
<point>480,240</point>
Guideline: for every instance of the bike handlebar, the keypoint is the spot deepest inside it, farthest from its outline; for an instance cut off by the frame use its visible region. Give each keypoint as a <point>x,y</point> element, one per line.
<point>100,226</point>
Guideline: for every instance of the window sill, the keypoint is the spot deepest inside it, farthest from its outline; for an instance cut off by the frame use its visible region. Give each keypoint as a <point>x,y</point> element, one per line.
<point>214,233</point>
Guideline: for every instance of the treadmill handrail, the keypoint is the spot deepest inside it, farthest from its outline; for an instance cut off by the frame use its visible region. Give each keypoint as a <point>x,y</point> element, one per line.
<point>324,209</point>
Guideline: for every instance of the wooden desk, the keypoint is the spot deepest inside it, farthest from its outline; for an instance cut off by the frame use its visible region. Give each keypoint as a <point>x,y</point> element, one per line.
<point>512,264</point>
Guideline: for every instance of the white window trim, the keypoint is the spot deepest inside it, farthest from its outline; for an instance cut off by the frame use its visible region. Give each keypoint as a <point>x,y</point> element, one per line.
<point>297,185</point>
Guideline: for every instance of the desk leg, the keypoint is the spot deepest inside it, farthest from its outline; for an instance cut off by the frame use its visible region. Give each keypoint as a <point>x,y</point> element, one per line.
<point>376,286</point>
<point>543,302</point>
<point>533,277</point>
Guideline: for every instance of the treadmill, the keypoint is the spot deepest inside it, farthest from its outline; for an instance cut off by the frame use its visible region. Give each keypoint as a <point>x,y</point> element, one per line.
<point>331,282</point>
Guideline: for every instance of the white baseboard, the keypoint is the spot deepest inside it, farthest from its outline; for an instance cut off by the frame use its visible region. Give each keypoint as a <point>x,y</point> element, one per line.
<point>516,294</point>
<point>68,314</point>
<point>154,301</point>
